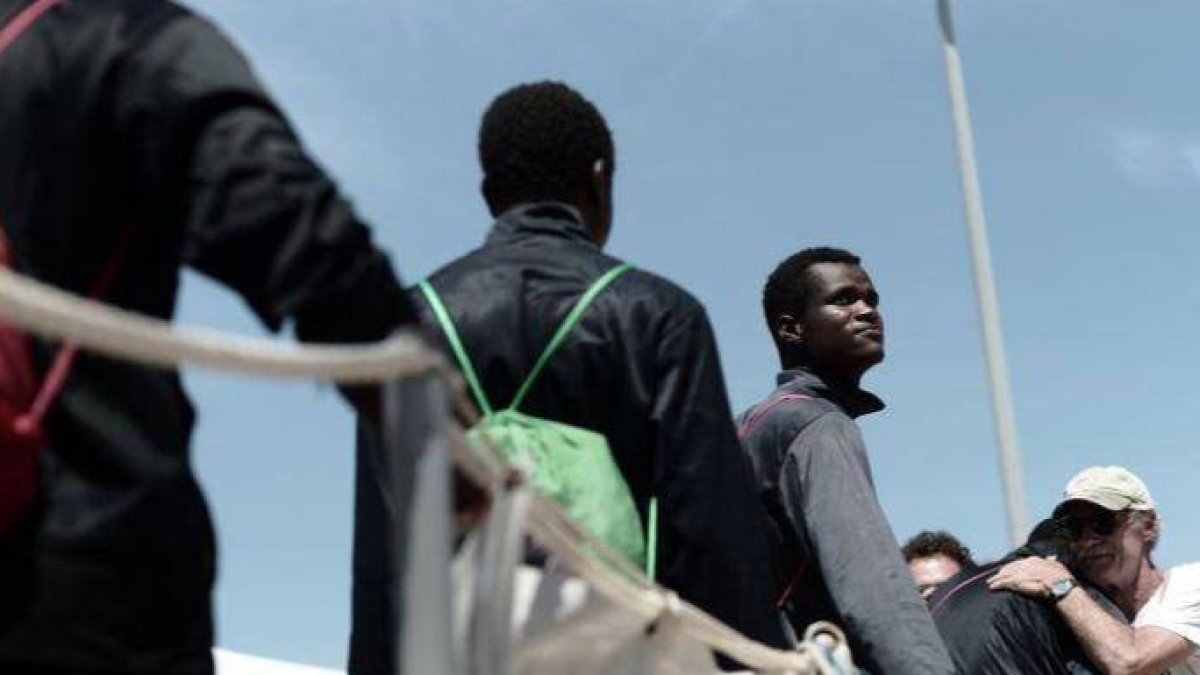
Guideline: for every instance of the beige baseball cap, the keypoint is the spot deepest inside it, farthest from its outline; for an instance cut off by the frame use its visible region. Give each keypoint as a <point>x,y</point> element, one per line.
<point>1112,487</point>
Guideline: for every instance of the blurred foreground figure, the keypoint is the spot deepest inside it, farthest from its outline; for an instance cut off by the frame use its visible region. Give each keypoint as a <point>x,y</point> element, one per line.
<point>639,367</point>
<point>136,139</point>
<point>1005,633</point>
<point>933,557</point>
<point>1114,529</point>
<point>835,554</point>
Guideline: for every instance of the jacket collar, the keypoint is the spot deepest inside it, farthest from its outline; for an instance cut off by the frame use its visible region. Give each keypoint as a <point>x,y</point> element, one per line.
<point>540,218</point>
<point>854,401</point>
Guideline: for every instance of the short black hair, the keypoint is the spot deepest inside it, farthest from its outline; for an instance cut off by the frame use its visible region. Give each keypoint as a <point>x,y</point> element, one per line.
<point>537,142</point>
<point>928,544</point>
<point>789,286</point>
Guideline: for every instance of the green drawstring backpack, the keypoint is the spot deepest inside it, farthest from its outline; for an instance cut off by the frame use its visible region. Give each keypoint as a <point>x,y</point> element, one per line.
<point>570,465</point>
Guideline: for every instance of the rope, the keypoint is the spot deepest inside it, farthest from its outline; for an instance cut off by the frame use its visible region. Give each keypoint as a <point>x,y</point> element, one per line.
<point>53,313</point>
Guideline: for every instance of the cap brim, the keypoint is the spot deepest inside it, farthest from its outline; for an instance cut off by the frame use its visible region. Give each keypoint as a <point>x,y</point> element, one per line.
<point>1107,502</point>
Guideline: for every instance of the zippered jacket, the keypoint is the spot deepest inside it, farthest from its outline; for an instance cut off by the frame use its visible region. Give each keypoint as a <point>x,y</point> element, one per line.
<point>641,367</point>
<point>835,556</point>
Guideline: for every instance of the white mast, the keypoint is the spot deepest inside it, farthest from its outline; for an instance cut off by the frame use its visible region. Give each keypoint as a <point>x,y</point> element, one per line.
<point>1011,469</point>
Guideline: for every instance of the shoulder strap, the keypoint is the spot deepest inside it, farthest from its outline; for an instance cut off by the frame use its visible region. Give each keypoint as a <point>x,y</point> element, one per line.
<point>568,323</point>
<point>757,414</point>
<point>60,367</point>
<point>22,21</point>
<point>460,352</point>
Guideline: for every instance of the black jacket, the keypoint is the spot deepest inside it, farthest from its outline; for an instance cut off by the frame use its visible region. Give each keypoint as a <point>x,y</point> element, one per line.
<point>641,367</point>
<point>136,116</point>
<point>835,556</point>
<point>1003,633</point>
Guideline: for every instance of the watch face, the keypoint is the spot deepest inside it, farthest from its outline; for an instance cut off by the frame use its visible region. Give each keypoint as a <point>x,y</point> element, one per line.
<point>1061,587</point>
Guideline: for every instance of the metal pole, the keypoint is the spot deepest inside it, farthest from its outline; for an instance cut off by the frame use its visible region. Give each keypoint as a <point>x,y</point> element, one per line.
<point>403,536</point>
<point>1011,469</point>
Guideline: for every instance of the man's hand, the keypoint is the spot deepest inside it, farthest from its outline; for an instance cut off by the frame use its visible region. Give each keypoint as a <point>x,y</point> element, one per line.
<point>1029,576</point>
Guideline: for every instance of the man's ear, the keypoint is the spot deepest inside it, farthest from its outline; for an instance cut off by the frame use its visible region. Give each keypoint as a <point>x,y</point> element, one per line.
<point>601,201</point>
<point>1151,527</point>
<point>788,330</point>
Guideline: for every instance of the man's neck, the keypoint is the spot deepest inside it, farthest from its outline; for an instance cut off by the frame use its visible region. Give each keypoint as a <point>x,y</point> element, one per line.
<point>1149,579</point>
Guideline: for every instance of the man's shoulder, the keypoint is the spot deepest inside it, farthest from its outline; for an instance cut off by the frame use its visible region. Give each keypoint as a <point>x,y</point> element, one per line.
<point>1183,582</point>
<point>667,299</point>
<point>786,415</point>
<point>646,284</point>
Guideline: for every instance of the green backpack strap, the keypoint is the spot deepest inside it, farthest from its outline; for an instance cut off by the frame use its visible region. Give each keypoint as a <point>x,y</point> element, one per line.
<point>460,352</point>
<point>568,323</point>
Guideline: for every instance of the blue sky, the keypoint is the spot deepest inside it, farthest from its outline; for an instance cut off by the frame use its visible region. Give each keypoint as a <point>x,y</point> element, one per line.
<point>746,130</point>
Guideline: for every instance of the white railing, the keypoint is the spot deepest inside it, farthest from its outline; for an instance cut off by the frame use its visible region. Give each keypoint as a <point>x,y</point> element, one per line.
<point>411,475</point>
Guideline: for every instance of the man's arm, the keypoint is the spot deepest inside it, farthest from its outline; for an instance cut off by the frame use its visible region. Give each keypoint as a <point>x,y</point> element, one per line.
<point>1116,647</point>
<point>826,490</point>
<point>712,543</point>
<point>259,215</point>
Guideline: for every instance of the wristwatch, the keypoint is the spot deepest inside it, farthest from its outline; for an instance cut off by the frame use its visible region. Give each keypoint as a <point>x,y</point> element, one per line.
<point>1059,589</point>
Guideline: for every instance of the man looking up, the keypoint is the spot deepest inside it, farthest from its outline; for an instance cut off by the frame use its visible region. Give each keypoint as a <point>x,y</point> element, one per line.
<point>640,367</point>
<point>933,557</point>
<point>1112,517</point>
<point>835,553</point>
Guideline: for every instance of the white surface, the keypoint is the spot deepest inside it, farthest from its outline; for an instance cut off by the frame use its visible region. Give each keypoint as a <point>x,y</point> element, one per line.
<point>232,663</point>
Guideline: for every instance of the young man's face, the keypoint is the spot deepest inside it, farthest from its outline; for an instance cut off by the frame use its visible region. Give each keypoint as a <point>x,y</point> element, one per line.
<point>841,327</point>
<point>932,571</point>
<point>1108,545</point>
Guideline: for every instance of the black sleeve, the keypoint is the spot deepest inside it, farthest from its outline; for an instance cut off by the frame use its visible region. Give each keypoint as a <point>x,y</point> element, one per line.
<point>265,220</point>
<point>259,215</point>
<point>713,550</point>
<point>827,491</point>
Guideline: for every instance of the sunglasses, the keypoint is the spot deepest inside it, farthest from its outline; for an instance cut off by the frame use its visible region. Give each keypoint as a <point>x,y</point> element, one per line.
<point>1102,523</point>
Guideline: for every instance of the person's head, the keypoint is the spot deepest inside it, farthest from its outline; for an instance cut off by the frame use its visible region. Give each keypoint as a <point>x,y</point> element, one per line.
<point>934,557</point>
<point>545,142</point>
<point>823,313</point>
<point>1113,527</point>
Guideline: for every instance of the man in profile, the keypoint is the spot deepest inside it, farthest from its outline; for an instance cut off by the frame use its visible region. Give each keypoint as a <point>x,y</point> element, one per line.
<point>835,552</point>
<point>933,557</point>
<point>641,365</point>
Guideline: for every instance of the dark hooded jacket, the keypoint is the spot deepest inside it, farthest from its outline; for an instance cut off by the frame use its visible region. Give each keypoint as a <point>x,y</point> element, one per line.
<point>641,368</point>
<point>135,118</point>
<point>835,556</point>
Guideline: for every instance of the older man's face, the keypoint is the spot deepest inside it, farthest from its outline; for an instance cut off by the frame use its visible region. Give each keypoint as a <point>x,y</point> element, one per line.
<point>1108,545</point>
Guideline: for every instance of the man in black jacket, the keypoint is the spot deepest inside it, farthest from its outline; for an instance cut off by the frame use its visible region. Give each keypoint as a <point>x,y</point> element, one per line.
<point>835,553</point>
<point>640,367</point>
<point>991,633</point>
<point>135,118</point>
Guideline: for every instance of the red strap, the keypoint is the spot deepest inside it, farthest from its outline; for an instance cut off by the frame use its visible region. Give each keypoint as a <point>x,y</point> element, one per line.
<point>23,20</point>
<point>759,413</point>
<point>752,421</point>
<point>56,376</point>
<point>967,582</point>
<point>786,593</point>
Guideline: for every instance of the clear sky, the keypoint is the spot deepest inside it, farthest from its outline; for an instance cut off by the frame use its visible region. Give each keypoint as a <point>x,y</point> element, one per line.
<point>746,130</point>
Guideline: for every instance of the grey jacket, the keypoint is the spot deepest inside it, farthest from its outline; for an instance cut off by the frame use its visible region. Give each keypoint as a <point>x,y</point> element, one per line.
<point>835,555</point>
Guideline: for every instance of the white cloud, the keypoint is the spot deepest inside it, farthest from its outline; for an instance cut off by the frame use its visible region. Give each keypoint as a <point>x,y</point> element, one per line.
<point>1156,158</point>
